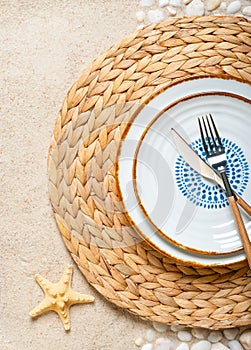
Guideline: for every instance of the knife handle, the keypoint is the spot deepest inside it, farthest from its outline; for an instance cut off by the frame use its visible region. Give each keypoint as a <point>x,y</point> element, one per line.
<point>244,205</point>
<point>242,229</point>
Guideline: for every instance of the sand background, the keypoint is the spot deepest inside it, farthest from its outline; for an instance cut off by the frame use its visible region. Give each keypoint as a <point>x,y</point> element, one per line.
<point>45,45</point>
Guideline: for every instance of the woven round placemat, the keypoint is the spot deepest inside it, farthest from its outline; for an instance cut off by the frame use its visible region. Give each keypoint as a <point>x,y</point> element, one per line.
<point>83,188</point>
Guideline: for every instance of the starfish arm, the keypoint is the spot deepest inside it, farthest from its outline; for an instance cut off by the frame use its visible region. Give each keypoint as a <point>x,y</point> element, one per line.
<point>44,306</point>
<point>65,317</point>
<point>67,276</point>
<point>77,298</point>
<point>44,283</point>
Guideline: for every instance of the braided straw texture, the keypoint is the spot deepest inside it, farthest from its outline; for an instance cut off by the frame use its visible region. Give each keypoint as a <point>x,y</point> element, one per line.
<point>82,183</point>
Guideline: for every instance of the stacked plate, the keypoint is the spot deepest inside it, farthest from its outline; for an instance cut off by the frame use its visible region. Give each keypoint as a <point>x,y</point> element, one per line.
<point>172,207</point>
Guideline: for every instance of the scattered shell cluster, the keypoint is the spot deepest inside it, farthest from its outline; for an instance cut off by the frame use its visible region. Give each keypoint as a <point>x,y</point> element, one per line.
<point>151,11</point>
<point>163,337</point>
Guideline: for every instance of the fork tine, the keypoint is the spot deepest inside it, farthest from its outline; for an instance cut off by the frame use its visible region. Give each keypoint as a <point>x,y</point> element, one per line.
<point>216,132</point>
<point>211,132</point>
<point>203,138</point>
<point>208,138</point>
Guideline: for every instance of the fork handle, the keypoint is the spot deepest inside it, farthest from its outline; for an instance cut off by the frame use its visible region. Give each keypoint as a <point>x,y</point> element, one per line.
<point>243,204</point>
<point>230,192</point>
<point>241,227</point>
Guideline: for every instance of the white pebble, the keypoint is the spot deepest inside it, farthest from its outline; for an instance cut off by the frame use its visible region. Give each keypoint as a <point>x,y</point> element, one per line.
<point>163,344</point>
<point>139,341</point>
<point>155,16</point>
<point>175,3</point>
<point>234,345</point>
<point>201,345</point>
<point>140,16</point>
<point>195,8</point>
<point>200,333</point>
<point>175,328</point>
<point>140,26</point>
<point>231,333</point>
<point>183,346</point>
<point>171,11</point>
<point>147,347</point>
<point>146,3</point>
<point>223,6</point>
<point>184,336</point>
<point>245,339</point>
<point>160,327</point>
<point>215,336</point>
<point>247,11</point>
<point>219,346</point>
<point>163,3</point>
<point>211,5</point>
<point>234,7</point>
<point>150,335</point>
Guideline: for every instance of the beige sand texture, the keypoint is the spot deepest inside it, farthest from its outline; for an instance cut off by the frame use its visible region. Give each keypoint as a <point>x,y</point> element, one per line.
<point>45,45</point>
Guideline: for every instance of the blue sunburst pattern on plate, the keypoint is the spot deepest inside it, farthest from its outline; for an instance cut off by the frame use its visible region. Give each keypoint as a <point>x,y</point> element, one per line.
<point>204,194</point>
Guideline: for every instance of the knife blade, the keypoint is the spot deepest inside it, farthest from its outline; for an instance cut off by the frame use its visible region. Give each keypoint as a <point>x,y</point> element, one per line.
<point>199,165</point>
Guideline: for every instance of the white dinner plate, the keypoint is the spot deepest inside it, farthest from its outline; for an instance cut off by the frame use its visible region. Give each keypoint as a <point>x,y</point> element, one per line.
<point>165,209</point>
<point>205,203</point>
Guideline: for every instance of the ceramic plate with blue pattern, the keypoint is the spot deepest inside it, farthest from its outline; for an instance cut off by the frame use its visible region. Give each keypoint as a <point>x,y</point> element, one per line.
<point>176,210</point>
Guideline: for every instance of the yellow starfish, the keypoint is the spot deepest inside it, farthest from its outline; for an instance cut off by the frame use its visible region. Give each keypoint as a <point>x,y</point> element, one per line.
<point>59,297</point>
